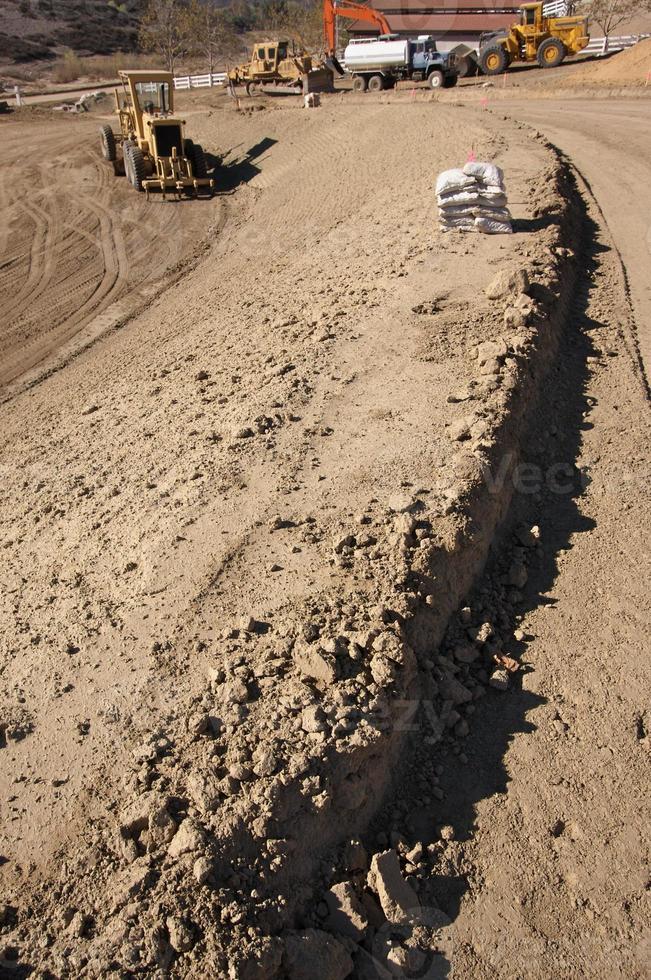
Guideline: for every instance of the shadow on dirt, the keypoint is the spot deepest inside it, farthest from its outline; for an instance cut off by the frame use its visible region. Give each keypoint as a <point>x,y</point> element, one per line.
<point>553,443</point>
<point>229,174</point>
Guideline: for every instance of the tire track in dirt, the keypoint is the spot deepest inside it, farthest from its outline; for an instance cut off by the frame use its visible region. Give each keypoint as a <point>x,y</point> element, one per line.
<point>89,242</point>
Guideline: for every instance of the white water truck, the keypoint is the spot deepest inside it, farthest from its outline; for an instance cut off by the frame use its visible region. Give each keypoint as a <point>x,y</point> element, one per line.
<point>378,63</point>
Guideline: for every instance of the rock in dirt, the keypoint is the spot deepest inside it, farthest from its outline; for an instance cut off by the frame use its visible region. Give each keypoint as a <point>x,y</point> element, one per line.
<point>397,898</point>
<point>460,430</point>
<point>313,953</point>
<point>508,284</point>
<point>315,663</point>
<point>346,913</point>
<point>181,934</point>
<point>314,719</point>
<point>499,679</point>
<point>188,839</point>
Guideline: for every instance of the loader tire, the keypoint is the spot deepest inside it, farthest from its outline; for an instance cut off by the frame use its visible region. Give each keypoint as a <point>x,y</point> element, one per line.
<point>194,153</point>
<point>375,83</point>
<point>359,83</point>
<point>107,141</point>
<point>134,166</point>
<point>551,53</point>
<point>435,79</point>
<point>450,81</point>
<point>494,60</point>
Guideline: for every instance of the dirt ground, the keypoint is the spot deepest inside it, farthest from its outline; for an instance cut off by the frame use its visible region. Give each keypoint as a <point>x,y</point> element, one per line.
<point>226,432</point>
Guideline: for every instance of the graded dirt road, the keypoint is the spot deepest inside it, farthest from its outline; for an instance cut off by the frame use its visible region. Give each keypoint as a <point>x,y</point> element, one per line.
<point>219,522</point>
<point>607,141</point>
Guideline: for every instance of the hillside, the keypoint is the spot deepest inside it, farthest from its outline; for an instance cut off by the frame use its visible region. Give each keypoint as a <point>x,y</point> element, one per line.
<point>35,30</point>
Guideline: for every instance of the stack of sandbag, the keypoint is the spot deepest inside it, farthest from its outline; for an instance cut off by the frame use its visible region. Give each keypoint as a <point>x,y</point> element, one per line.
<point>473,199</point>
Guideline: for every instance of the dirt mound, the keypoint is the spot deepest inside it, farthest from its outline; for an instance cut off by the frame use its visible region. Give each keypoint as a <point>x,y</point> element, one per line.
<point>629,67</point>
<point>246,583</point>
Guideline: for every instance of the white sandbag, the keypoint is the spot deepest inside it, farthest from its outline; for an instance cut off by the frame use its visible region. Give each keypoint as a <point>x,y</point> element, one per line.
<point>491,227</point>
<point>472,198</point>
<point>457,198</point>
<point>461,211</point>
<point>458,224</point>
<point>451,181</point>
<point>493,201</point>
<point>492,190</point>
<point>488,173</point>
<point>474,211</point>
<point>493,214</point>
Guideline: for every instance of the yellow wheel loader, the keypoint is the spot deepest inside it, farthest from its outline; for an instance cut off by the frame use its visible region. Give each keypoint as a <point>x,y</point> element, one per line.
<point>279,63</point>
<point>535,37</point>
<point>156,152</point>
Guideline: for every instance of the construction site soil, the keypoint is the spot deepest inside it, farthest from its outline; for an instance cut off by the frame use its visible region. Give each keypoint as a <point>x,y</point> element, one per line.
<point>323,542</point>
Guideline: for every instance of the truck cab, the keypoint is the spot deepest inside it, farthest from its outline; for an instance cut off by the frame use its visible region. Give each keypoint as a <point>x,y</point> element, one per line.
<point>426,59</point>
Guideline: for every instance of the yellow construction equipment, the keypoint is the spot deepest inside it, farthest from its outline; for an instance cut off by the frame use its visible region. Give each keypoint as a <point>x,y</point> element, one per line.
<point>156,152</point>
<point>280,63</point>
<point>536,37</point>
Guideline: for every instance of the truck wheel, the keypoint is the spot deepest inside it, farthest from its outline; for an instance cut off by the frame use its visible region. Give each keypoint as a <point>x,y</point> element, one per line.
<point>107,141</point>
<point>375,83</point>
<point>494,60</point>
<point>134,165</point>
<point>551,53</point>
<point>359,83</point>
<point>435,79</point>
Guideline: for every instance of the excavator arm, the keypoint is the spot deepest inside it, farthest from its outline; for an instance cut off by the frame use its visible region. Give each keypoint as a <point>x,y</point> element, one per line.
<point>355,11</point>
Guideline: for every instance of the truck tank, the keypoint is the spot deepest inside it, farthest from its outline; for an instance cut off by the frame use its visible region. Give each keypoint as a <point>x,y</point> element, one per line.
<point>365,55</point>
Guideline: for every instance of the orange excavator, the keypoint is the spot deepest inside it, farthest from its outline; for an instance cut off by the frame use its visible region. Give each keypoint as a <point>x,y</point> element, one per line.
<point>354,11</point>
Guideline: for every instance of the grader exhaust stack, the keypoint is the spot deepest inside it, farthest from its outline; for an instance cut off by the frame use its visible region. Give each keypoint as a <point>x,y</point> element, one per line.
<point>156,152</point>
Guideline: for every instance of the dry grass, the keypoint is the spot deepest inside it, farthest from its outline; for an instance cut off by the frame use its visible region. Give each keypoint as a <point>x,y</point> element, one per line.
<point>72,67</point>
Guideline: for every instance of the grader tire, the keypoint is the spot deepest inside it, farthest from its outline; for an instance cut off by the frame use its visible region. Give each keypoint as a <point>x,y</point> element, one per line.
<point>194,152</point>
<point>107,142</point>
<point>494,60</point>
<point>134,165</point>
<point>551,53</point>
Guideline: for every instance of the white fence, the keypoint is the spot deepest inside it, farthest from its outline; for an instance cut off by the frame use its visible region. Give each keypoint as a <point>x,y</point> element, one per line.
<point>200,81</point>
<point>606,45</point>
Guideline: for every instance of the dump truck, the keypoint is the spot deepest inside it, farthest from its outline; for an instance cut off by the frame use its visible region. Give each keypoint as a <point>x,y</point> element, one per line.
<point>378,63</point>
<point>156,153</point>
<point>535,37</point>
<point>279,62</point>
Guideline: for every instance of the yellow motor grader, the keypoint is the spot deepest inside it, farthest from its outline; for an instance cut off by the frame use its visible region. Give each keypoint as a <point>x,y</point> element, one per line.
<point>155,150</point>
<point>280,63</point>
<point>535,37</point>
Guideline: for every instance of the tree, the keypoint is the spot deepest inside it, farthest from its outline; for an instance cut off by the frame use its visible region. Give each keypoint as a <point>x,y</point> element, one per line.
<point>610,14</point>
<point>164,30</point>
<point>209,32</point>
<point>298,20</point>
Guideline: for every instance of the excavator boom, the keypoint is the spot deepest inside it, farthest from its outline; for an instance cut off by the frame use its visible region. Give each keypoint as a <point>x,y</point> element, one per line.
<point>352,10</point>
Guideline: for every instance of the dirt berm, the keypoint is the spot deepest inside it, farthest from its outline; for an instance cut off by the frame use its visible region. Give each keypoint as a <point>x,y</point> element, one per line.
<point>234,561</point>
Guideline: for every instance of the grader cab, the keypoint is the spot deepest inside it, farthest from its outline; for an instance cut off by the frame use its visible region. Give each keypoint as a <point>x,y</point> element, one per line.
<point>535,37</point>
<point>156,152</point>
